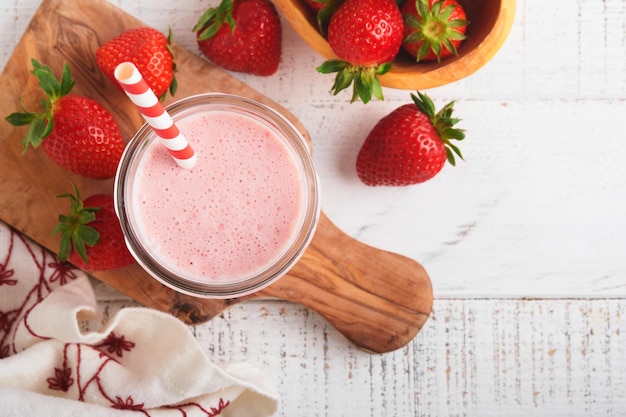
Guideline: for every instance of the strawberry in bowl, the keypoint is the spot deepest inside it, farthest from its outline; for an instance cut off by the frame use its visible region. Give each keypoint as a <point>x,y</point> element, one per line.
<point>491,23</point>
<point>366,36</point>
<point>433,29</point>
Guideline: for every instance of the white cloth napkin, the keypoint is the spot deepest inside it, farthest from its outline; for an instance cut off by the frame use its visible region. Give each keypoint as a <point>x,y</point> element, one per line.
<point>143,362</point>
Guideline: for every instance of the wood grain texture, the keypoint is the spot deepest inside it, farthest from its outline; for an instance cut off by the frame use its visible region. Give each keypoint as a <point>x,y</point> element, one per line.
<point>380,303</point>
<point>474,357</point>
<point>379,300</point>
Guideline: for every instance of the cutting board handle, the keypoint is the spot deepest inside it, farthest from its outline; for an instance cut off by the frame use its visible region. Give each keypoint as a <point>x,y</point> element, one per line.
<point>379,300</point>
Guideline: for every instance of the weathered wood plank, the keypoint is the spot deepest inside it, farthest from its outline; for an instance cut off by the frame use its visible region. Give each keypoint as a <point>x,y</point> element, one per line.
<point>474,357</point>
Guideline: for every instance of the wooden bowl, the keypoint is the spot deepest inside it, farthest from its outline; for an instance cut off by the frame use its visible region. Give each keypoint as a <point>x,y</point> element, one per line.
<point>490,24</point>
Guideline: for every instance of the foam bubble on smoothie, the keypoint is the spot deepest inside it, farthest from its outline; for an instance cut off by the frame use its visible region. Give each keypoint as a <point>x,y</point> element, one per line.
<point>236,211</point>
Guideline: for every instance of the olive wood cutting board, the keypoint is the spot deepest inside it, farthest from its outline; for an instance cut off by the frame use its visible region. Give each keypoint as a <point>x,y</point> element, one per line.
<point>377,299</point>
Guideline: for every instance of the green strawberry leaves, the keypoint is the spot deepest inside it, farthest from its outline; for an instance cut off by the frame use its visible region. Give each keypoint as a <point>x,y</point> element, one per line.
<point>174,85</point>
<point>325,13</point>
<point>42,123</point>
<point>363,79</point>
<point>74,229</point>
<point>434,28</point>
<point>49,84</point>
<point>212,19</point>
<point>443,122</point>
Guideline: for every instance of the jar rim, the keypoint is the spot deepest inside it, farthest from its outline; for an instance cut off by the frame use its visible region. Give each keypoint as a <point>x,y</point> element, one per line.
<point>299,150</point>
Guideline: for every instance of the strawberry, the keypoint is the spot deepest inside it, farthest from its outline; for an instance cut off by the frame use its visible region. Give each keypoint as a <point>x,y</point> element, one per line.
<point>324,10</point>
<point>149,50</point>
<point>242,36</point>
<point>410,145</point>
<point>91,236</point>
<point>434,29</point>
<point>366,35</point>
<point>315,5</point>
<point>75,131</point>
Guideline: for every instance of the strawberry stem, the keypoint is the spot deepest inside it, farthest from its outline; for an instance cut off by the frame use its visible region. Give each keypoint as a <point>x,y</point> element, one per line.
<point>443,122</point>
<point>174,84</point>
<point>364,79</point>
<point>74,229</point>
<point>434,28</point>
<point>42,123</point>
<point>212,19</point>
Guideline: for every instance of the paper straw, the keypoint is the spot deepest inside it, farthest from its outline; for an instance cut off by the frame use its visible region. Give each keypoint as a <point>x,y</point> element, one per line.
<point>154,114</point>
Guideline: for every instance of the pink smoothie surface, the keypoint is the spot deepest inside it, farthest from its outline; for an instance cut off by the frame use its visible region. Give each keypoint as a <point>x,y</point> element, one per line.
<point>231,215</point>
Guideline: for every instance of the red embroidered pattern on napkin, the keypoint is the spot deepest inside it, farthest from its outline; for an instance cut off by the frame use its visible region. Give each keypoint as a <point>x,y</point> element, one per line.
<point>20,293</point>
<point>28,274</point>
<point>141,361</point>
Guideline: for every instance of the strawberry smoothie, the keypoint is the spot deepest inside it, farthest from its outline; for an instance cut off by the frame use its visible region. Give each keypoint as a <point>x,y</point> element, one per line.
<point>236,214</point>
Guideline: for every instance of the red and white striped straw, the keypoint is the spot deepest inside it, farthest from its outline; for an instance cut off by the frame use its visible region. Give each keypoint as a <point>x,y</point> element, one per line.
<point>154,114</point>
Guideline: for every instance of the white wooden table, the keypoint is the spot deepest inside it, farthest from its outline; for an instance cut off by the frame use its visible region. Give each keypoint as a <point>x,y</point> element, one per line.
<point>525,242</point>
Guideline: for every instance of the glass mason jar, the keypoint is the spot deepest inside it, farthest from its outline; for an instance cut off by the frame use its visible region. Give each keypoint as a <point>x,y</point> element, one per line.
<point>237,221</point>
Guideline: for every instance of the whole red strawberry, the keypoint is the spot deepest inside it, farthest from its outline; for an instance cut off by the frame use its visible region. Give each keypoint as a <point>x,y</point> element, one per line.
<point>366,35</point>
<point>410,145</point>
<point>75,131</point>
<point>149,50</point>
<point>434,29</point>
<point>91,236</point>
<point>242,36</point>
